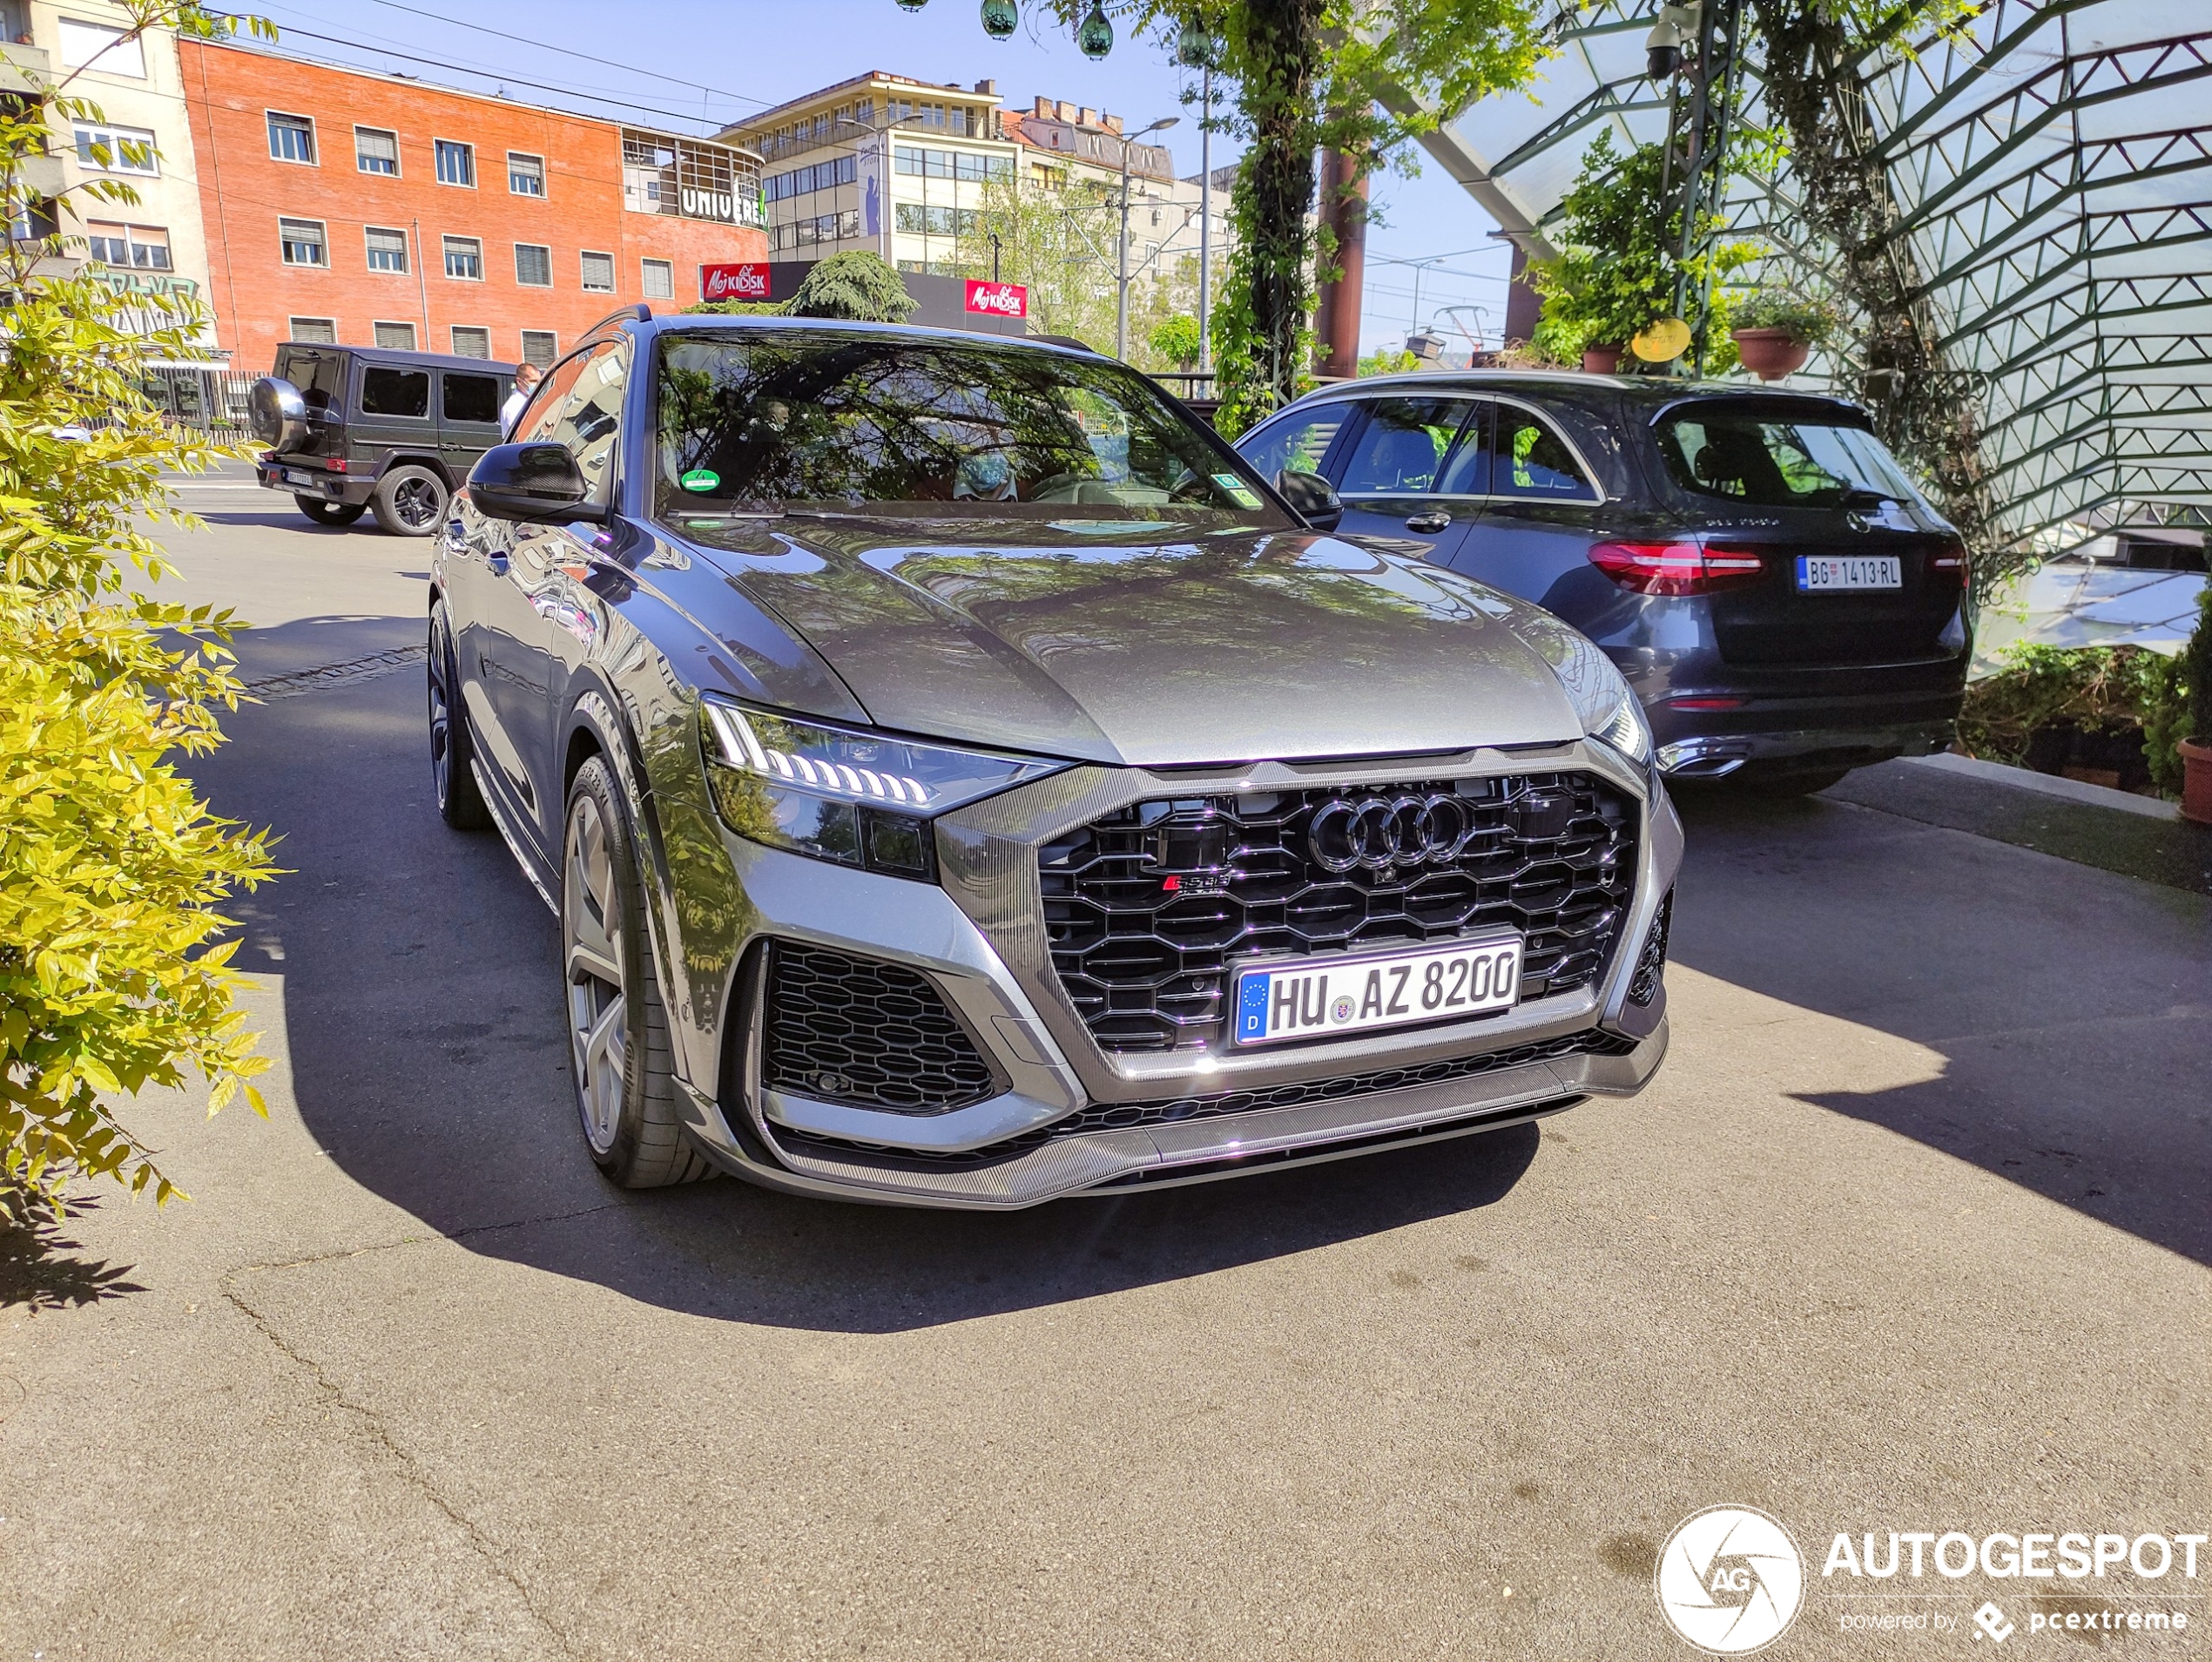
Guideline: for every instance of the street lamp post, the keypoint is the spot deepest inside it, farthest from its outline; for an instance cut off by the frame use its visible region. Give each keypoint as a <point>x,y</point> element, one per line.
<point>1121,271</point>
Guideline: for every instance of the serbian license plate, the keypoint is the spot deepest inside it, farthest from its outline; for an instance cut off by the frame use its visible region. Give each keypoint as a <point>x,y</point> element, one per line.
<point>1818,573</point>
<point>1296,998</point>
<point>294,477</point>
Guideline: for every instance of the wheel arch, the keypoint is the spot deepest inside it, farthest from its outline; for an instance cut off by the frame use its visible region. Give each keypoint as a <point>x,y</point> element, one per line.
<point>420,459</point>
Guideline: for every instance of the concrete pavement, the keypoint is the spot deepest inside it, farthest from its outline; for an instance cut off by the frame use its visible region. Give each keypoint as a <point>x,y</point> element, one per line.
<point>1912,1232</point>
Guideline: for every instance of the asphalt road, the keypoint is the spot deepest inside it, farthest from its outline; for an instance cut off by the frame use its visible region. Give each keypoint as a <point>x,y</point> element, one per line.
<point>1911,1233</point>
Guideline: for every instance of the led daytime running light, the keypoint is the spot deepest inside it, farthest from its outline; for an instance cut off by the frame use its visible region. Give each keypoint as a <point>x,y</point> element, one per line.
<point>741,747</point>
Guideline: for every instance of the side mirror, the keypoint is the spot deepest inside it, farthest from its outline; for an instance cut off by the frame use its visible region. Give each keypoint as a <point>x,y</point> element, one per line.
<point>530,482</point>
<point>277,413</point>
<point>1313,498</point>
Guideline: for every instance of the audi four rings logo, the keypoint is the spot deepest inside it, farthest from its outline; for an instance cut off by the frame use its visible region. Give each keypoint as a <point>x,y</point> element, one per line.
<point>1379,833</point>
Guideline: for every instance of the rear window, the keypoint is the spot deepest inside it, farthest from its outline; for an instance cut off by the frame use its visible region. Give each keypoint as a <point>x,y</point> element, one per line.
<point>320,377</point>
<point>1795,461</point>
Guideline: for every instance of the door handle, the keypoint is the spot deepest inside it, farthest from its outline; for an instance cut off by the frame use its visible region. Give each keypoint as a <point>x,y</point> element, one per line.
<point>1435,520</point>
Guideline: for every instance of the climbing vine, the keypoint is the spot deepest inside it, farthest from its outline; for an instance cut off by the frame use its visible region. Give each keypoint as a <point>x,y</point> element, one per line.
<point>1923,408</point>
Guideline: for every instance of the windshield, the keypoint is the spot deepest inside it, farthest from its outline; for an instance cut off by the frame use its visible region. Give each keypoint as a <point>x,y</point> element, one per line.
<point>768,419</point>
<point>1780,464</point>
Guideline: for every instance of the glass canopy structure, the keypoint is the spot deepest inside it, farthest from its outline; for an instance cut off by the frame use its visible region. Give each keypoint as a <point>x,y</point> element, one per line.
<point>2053,172</point>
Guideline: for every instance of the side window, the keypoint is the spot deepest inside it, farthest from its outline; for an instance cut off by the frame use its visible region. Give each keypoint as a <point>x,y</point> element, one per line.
<point>591,420</point>
<point>1530,462</point>
<point>543,413</point>
<point>1466,470</point>
<point>1402,447</point>
<point>470,398</point>
<point>1298,441</point>
<point>394,391</point>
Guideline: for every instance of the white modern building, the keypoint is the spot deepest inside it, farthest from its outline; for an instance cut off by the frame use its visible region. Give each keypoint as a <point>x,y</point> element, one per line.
<point>141,139</point>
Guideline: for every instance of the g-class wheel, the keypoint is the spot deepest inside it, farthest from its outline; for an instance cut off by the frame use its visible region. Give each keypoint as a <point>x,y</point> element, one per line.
<point>409,502</point>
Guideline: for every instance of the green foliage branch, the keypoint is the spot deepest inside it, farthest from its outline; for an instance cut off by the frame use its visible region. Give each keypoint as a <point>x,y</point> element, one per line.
<point>113,975</point>
<point>2091,688</point>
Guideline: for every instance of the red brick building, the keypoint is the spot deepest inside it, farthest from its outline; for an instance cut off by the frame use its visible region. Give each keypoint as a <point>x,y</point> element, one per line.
<point>372,209</point>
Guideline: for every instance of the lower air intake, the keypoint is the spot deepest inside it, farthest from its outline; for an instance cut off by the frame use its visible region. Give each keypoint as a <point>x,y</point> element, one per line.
<point>866,1034</point>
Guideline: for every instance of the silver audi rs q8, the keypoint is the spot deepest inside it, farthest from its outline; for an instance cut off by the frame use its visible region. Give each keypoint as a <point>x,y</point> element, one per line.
<point>962,781</point>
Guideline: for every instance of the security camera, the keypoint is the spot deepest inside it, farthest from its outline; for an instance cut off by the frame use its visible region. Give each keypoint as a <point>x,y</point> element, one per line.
<point>1662,46</point>
<point>1660,62</point>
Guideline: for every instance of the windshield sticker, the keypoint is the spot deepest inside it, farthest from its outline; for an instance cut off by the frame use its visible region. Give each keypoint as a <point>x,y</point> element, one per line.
<point>700,479</point>
<point>1239,492</point>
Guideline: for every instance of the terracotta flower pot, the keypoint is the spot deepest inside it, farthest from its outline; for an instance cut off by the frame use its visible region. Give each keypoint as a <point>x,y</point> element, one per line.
<point>2197,781</point>
<point>1601,360</point>
<point>1770,354</point>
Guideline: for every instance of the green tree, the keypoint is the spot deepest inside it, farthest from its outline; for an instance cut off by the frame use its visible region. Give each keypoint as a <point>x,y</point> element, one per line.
<point>1308,75</point>
<point>861,287</point>
<point>1175,339</point>
<point>113,973</point>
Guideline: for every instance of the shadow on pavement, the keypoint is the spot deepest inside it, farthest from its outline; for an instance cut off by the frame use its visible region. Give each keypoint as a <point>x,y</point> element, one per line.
<point>2074,1008</point>
<point>427,1059</point>
<point>38,1268</point>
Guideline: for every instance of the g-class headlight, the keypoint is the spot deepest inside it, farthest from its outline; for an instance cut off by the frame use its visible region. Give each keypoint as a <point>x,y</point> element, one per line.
<point>1601,698</point>
<point>845,794</point>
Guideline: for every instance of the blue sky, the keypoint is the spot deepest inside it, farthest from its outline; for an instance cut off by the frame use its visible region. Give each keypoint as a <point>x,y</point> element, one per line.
<point>660,61</point>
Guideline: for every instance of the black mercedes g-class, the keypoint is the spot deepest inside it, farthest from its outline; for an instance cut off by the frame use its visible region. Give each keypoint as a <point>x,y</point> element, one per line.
<point>352,428</point>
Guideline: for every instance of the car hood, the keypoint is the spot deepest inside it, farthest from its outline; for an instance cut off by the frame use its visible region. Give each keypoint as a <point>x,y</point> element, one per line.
<point>1147,643</point>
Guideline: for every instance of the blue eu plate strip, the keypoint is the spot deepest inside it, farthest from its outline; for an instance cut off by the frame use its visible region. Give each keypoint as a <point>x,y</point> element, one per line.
<point>1251,1007</point>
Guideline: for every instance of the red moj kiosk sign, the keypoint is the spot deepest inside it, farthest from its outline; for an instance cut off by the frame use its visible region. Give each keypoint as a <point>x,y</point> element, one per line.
<point>748,282</point>
<point>998,299</point>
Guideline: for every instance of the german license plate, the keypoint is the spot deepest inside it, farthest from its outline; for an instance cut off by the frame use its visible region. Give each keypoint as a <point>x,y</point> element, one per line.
<point>1297,998</point>
<point>1818,573</point>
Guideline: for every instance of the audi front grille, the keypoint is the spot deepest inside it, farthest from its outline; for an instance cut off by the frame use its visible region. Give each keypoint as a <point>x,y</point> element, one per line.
<point>1146,909</point>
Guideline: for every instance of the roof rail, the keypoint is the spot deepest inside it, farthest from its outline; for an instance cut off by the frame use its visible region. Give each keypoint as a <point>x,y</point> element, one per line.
<point>639,312</point>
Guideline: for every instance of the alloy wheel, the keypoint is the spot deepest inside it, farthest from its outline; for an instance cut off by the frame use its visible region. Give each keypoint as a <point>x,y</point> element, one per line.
<point>416,500</point>
<point>591,930</point>
<point>441,716</point>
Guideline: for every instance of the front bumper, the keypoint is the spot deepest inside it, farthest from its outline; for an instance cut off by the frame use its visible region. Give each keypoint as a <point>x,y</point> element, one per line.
<point>979,940</point>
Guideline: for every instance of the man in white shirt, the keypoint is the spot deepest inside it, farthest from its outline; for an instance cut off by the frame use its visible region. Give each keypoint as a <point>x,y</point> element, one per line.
<point>526,379</point>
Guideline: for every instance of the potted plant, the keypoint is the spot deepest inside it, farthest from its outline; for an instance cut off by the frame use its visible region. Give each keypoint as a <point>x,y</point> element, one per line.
<point>2195,750</point>
<point>1776,329</point>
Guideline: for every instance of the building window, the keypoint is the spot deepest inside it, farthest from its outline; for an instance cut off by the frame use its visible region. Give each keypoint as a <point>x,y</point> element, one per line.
<point>465,259</point>
<point>387,249</point>
<point>395,337</point>
<point>598,274</point>
<point>117,150</point>
<point>95,46</point>
<point>533,265</point>
<point>934,221</point>
<point>525,174</point>
<point>315,331</point>
<point>469,343</point>
<point>540,346</point>
<point>291,139</point>
<point>376,151</point>
<point>660,280</point>
<point>303,242</point>
<point>456,162</point>
<point>128,247</point>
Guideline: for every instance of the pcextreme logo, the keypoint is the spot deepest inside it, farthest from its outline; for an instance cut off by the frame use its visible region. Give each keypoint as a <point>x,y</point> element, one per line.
<point>1731,1580</point>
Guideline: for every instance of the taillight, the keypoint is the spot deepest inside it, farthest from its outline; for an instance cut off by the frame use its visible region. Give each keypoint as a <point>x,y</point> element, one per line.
<point>1947,567</point>
<point>1689,567</point>
<point>336,464</point>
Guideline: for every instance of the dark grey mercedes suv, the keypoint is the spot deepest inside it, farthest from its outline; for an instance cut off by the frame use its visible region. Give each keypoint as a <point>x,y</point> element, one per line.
<point>962,781</point>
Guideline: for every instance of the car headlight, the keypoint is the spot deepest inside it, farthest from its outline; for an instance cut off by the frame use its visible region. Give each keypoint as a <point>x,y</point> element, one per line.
<point>845,794</point>
<point>1609,710</point>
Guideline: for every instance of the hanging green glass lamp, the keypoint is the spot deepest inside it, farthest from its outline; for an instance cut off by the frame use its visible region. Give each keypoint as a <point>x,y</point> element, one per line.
<point>1096,36</point>
<point>1001,19</point>
<point>1196,47</point>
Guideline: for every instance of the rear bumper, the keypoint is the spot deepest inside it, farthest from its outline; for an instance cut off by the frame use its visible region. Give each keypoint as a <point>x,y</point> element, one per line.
<point>349,489</point>
<point>1915,715</point>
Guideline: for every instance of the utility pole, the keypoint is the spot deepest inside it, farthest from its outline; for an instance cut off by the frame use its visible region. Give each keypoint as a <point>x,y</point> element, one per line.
<point>1120,272</point>
<point>1205,218</point>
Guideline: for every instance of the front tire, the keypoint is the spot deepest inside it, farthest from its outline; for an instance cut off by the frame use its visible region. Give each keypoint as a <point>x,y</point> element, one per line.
<point>453,746</point>
<point>409,501</point>
<point>325,513</point>
<point>619,1053</point>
